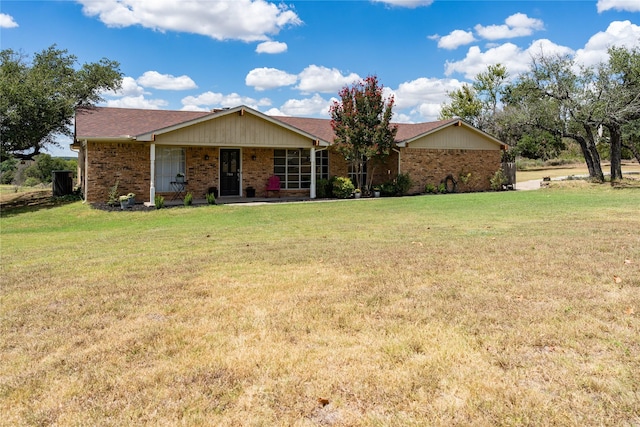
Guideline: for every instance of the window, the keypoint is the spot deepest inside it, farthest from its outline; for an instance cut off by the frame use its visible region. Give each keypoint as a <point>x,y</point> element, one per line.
<point>293,167</point>
<point>169,162</point>
<point>322,164</point>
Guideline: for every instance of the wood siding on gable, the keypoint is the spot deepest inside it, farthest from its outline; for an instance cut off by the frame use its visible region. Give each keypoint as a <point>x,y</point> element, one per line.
<point>455,138</point>
<point>234,130</point>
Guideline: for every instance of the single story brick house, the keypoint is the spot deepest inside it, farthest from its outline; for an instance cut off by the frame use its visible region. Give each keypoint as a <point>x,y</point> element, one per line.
<point>232,149</point>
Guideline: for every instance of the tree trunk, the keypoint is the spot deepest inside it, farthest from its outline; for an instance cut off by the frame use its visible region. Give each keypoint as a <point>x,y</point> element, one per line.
<point>591,155</point>
<point>595,156</point>
<point>615,134</point>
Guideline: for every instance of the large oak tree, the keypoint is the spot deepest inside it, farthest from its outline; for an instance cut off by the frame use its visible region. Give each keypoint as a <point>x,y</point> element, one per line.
<point>38,98</point>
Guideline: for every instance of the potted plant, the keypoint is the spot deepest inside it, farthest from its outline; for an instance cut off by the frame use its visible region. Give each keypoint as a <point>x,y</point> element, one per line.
<point>127,201</point>
<point>179,177</point>
<point>357,193</point>
<point>376,191</point>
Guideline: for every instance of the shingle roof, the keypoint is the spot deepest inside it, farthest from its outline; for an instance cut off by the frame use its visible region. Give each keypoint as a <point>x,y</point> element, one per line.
<point>106,122</point>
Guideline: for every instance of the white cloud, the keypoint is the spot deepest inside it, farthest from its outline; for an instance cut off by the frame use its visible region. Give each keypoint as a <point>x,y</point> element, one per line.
<point>516,25</point>
<point>455,39</point>
<point>515,59</point>
<point>129,87</point>
<point>156,80</point>
<point>7,21</point>
<point>422,97</point>
<point>412,4</point>
<point>137,102</point>
<point>208,100</point>
<point>619,34</point>
<point>271,47</point>
<point>247,20</point>
<point>621,5</point>
<point>269,78</point>
<point>325,80</point>
<point>424,90</point>
<point>309,107</point>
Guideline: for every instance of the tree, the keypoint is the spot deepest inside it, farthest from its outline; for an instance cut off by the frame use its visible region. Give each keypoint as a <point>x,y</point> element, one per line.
<point>464,104</point>
<point>38,99</point>
<point>361,121</point>
<point>553,98</point>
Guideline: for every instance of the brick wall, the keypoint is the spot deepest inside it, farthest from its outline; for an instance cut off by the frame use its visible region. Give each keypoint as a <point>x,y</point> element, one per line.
<point>124,163</point>
<point>428,166</point>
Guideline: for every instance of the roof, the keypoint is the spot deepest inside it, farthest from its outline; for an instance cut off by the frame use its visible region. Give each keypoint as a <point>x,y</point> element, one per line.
<point>106,122</point>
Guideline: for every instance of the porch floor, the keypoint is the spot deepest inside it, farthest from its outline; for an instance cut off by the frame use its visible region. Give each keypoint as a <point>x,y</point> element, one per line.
<point>233,200</point>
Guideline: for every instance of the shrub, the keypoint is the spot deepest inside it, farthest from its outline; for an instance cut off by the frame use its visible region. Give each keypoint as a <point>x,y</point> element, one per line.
<point>31,182</point>
<point>342,187</point>
<point>388,189</point>
<point>498,180</point>
<point>211,198</point>
<point>442,188</point>
<point>430,188</point>
<point>159,201</point>
<point>403,183</point>
<point>188,199</point>
<point>113,195</point>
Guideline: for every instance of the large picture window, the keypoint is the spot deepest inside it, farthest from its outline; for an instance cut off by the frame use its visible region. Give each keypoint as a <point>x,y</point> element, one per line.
<point>169,162</point>
<point>293,167</point>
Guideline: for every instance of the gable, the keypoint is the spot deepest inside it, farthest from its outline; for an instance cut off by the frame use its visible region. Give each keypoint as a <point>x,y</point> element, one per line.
<point>237,130</point>
<point>456,138</point>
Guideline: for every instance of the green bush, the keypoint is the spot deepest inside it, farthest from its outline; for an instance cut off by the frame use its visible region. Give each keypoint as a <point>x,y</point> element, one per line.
<point>188,199</point>
<point>388,189</point>
<point>403,183</point>
<point>498,180</point>
<point>158,201</point>
<point>430,188</point>
<point>442,188</point>
<point>211,198</point>
<point>342,187</point>
<point>31,182</point>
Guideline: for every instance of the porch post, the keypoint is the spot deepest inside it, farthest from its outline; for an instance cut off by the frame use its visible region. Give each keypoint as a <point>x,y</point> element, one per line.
<point>152,187</point>
<point>312,190</point>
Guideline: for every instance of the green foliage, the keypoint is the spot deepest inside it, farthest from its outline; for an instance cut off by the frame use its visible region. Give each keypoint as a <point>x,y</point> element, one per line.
<point>45,164</point>
<point>464,104</point>
<point>31,182</point>
<point>113,195</point>
<point>342,187</point>
<point>38,99</point>
<point>498,180</point>
<point>442,188</point>
<point>322,188</point>
<point>539,145</point>
<point>430,189</point>
<point>188,199</point>
<point>8,169</point>
<point>403,184</point>
<point>388,189</point>
<point>361,121</point>
<point>158,201</point>
<point>211,198</point>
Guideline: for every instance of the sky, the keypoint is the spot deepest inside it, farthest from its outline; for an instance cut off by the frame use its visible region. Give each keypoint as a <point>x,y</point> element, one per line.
<point>292,58</point>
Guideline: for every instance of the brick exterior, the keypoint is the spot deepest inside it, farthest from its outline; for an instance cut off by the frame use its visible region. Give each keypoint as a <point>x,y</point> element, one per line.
<point>124,163</point>
<point>429,166</point>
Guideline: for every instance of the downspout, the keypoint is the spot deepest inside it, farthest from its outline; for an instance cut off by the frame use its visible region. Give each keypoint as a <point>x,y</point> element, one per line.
<point>312,190</point>
<point>152,185</point>
<point>397,151</point>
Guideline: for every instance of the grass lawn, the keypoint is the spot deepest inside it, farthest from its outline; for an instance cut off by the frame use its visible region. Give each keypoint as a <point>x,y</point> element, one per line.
<point>513,308</point>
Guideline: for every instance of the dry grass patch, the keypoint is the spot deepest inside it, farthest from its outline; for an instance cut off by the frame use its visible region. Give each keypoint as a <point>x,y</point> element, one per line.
<point>483,309</point>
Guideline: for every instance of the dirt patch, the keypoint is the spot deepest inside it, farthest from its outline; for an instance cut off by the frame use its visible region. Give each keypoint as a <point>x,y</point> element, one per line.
<point>31,198</point>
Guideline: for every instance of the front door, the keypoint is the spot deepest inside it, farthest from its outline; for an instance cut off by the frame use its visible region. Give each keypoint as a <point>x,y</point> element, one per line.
<point>229,172</point>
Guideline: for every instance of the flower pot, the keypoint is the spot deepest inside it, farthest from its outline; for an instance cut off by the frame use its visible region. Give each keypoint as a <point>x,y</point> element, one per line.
<point>376,194</point>
<point>357,195</point>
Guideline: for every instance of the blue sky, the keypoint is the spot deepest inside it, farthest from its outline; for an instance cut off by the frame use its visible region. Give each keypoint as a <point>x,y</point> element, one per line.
<point>292,57</point>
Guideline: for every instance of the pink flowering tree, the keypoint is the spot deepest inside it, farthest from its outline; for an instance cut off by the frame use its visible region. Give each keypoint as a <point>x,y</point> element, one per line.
<point>361,122</point>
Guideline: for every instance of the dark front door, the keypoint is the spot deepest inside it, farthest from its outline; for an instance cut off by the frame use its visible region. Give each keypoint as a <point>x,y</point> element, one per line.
<point>229,172</point>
